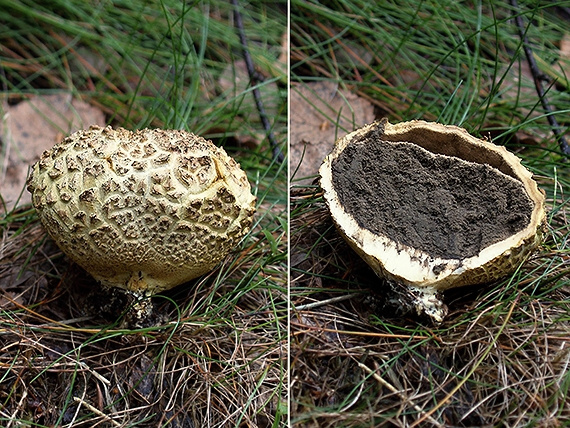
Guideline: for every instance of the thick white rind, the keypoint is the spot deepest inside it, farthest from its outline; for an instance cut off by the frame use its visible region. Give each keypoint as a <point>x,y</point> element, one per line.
<point>414,267</point>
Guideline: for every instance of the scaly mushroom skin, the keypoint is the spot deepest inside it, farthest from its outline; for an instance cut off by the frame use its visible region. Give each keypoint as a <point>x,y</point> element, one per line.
<point>420,274</point>
<point>145,210</point>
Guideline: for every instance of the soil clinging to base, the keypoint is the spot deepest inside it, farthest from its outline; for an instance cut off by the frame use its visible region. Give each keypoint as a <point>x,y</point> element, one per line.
<point>442,205</point>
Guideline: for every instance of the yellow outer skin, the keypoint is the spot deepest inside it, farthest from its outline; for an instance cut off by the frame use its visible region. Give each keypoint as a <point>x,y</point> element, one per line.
<point>415,268</point>
<point>145,210</point>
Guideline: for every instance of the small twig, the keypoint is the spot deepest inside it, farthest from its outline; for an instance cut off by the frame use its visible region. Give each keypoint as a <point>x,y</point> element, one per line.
<point>300,326</point>
<point>537,83</point>
<point>96,411</point>
<point>277,153</point>
<point>323,302</point>
<point>19,406</point>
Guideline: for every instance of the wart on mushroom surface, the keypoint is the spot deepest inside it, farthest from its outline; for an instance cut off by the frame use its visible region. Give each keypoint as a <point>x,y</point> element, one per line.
<point>145,210</point>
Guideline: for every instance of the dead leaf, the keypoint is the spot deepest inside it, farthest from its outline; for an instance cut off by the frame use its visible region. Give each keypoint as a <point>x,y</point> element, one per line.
<point>234,82</point>
<point>9,300</point>
<point>28,129</point>
<point>564,62</point>
<point>565,46</point>
<point>516,83</point>
<point>284,55</point>
<point>321,113</point>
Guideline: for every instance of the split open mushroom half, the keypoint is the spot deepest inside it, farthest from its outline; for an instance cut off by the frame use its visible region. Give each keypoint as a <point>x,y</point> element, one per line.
<point>430,207</point>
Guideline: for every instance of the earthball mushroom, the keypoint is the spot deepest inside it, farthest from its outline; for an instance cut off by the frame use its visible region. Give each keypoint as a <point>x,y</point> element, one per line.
<point>145,210</point>
<point>430,207</point>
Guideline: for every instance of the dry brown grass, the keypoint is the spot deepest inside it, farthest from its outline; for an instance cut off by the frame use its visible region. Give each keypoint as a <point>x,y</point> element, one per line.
<point>214,358</point>
<point>501,357</point>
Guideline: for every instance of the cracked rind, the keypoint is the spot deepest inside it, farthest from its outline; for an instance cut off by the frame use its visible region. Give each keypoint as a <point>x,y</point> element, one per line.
<point>417,269</point>
<point>144,210</point>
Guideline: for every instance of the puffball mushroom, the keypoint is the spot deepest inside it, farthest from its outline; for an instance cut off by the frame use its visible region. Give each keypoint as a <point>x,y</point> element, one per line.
<point>430,207</point>
<point>145,210</point>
